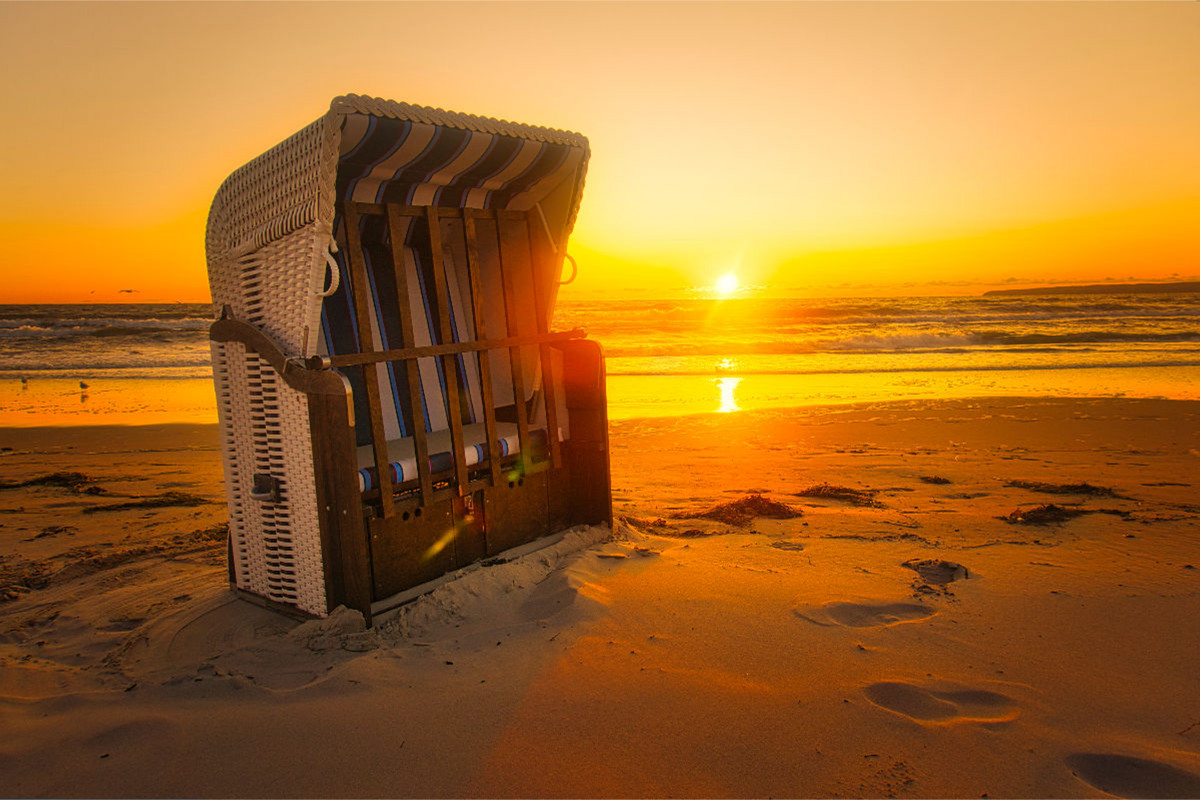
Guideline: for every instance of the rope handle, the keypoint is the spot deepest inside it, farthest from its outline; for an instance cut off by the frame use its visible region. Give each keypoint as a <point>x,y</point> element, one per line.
<point>574,269</point>
<point>554,246</point>
<point>335,273</point>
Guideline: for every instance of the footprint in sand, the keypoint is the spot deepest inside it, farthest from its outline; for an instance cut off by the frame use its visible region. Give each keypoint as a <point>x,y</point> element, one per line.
<point>954,705</point>
<point>1126,776</point>
<point>933,570</point>
<point>864,615</point>
<point>121,624</point>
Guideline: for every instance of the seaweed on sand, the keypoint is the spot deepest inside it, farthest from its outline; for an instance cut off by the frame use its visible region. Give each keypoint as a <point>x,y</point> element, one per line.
<point>742,511</point>
<point>1044,515</point>
<point>856,497</point>
<point>154,501</point>
<point>75,481</point>
<point>1064,488</point>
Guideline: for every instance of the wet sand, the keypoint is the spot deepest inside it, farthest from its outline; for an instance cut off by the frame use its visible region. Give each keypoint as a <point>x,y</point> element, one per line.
<point>911,631</point>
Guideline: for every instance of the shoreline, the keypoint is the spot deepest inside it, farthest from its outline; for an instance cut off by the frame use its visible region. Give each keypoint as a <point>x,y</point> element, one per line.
<point>673,396</point>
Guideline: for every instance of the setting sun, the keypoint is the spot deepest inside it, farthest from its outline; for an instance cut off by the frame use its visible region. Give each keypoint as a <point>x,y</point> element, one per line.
<point>727,284</point>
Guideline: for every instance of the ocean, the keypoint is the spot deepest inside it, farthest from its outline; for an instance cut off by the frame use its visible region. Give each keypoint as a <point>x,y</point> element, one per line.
<point>150,362</point>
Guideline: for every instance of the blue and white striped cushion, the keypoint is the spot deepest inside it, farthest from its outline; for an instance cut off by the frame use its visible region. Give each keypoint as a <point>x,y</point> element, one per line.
<point>441,459</point>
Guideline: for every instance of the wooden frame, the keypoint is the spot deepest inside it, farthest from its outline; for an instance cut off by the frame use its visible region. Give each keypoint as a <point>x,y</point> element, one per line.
<point>395,536</point>
<point>519,251</point>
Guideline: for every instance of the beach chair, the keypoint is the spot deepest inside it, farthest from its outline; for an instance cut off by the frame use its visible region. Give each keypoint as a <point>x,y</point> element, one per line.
<point>393,405</point>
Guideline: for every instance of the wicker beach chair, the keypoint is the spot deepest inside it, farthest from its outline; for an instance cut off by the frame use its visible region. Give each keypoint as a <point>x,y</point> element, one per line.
<point>392,403</point>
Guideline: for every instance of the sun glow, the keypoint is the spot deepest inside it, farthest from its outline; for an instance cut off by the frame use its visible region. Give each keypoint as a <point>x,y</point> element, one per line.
<point>727,284</point>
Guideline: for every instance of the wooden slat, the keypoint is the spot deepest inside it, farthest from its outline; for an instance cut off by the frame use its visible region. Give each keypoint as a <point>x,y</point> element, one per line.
<point>514,233</point>
<point>346,550</point>
<point>362,310</point>
<point>396,228</point>
<point>541,256</point>
<point>400,354</point>
<point>380,209</point>
<point>449,361</point>
<point>509,260</point>
<point>485,356</point>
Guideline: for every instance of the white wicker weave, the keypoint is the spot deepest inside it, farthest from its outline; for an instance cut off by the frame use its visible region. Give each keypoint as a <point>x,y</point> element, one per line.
<point>277,546</point>
<point>269,230</point>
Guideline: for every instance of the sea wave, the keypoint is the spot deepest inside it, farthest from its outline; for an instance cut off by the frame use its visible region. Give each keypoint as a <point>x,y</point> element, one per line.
<point>958,331</point>
<point>32,328</point>
<point>100,310</point>
<point>74,364</point>
<point>906,342</point>
<point>735,373</point>
<point>608,326</point>
<point>776,312</point>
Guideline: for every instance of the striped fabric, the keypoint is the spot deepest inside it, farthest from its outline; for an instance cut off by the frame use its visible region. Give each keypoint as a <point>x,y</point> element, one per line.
<point>340,331</point>
<point>404,464</point>
<point>418,164</point>
<point>385,160</point>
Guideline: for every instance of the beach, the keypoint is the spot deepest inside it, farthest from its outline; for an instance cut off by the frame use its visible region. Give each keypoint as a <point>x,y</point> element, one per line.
<point>889,364</point>
<point>948,598</point>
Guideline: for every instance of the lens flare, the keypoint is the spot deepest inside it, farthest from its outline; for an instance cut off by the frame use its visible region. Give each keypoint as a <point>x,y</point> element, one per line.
<point>440,545</point>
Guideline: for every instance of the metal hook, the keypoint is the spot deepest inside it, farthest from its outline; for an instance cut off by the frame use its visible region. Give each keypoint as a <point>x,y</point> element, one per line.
<point>335,272</point>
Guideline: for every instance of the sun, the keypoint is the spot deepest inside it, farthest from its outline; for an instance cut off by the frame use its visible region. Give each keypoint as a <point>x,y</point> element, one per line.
<point>727,284</point>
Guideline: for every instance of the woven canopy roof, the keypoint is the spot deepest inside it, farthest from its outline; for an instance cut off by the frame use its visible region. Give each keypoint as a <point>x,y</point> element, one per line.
<point>371,150</point>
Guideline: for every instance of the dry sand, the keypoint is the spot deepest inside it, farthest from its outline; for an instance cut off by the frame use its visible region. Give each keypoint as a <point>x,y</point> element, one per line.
<point>898,637</point>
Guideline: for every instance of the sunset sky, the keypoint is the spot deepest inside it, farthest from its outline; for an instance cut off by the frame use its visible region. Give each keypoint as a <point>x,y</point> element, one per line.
<point>818,148</point>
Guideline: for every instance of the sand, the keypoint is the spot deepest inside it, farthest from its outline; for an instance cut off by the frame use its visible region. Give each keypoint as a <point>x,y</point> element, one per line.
<point>910,633</point>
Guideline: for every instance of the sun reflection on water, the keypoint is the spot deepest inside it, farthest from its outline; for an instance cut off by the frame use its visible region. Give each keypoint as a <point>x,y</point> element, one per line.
<point>726,387</point>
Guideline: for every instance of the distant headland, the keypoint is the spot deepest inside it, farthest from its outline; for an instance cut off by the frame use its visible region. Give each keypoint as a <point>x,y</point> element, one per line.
<point>1106,288</point>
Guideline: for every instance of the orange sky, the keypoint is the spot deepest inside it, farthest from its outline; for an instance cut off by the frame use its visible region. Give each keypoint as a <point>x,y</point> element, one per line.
<point>821,148</point>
